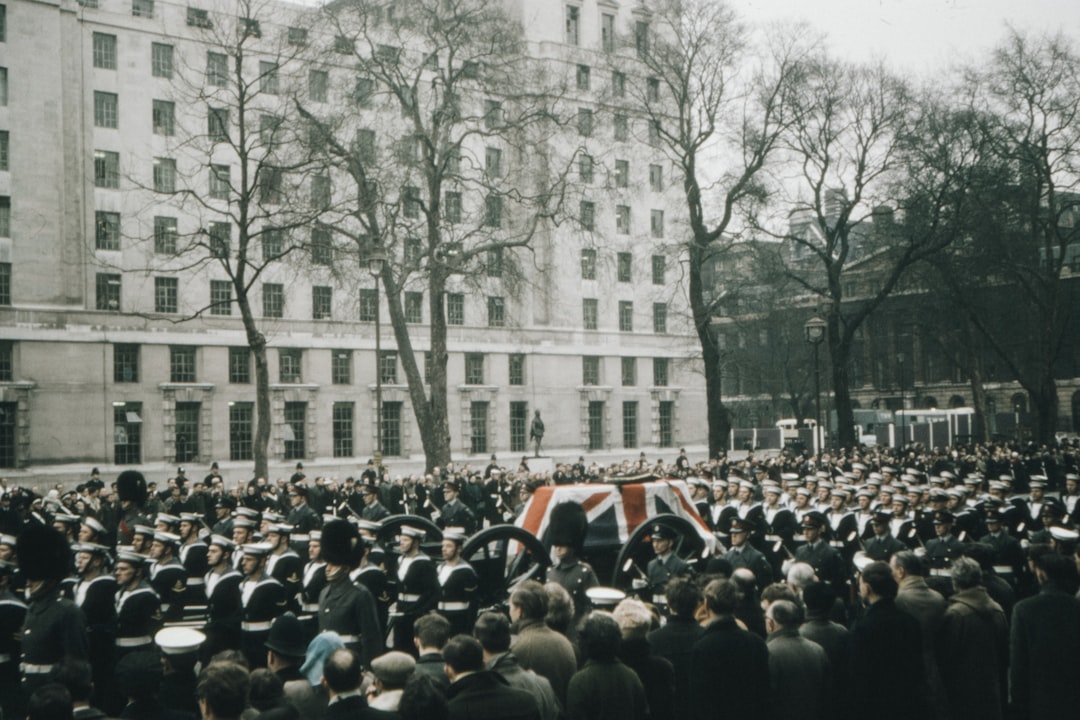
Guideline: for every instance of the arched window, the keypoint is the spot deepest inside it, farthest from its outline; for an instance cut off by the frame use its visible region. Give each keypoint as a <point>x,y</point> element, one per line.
<point>956,401</point>
<point>929,401</point>
<point>1076,411</point>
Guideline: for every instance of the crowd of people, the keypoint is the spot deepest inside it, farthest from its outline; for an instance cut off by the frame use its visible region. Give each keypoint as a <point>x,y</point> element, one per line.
<point>918,583</point>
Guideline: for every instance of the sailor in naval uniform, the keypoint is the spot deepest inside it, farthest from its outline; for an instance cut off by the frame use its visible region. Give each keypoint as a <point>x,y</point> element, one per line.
<point>418,587</point>
<point>138,607</point>
<point>223,606</point>
<point>263,599</point>
<point>458,583</point>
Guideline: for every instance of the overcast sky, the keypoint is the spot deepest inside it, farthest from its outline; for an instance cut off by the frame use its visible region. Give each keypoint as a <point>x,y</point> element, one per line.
<point>917,35</point>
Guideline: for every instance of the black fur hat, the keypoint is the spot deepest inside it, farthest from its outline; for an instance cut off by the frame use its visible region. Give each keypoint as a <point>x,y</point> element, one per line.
<point>341,543</point>
<point>44,553</point>
<point>131,486</point>
<point>568,525</point>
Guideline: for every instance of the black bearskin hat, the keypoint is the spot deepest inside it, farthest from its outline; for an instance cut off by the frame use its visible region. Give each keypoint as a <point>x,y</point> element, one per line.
<point>341,543</point>
<point>568,525</point>
<point>131,486</point>
<point>44,553</point>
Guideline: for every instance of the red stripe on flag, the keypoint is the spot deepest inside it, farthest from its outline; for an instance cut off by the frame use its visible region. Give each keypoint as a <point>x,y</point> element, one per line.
<point>691,510</point>
<point>534,516</point>
<point>593,500</point>
<point>633,500</point>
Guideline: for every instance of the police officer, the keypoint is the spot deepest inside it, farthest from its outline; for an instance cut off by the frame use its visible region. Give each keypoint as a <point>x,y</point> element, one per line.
<point>54,627</point>
<point>418,587</point>
<point>138,607</point>
<point>223,606</point>
<point>346,607</point>
<point>458,582</point>
<point>263,599</point>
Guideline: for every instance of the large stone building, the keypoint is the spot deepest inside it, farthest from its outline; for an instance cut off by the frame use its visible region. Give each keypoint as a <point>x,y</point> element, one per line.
<point>115,349</point>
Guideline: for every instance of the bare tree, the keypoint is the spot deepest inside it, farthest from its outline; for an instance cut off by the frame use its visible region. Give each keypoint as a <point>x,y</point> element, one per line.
<point>1023,237</point>
<point>234,172</point>
<point>719,115</point>
<point>850,167</point>
<point>446,154</point>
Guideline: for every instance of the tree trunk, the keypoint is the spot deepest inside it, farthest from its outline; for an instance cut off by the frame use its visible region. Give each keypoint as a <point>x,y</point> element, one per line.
<point>839,357</point>
<point>980,403</point>
<point>1046,409</point>
<point>257,343</point>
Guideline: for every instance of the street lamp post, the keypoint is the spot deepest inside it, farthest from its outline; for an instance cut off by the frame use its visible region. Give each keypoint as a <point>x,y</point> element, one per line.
<point>376,259</point>
<point>900,381</point>
<point>815,335</point>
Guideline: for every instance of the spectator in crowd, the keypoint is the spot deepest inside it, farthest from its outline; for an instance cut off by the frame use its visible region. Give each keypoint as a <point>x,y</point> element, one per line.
<point>1043,662</point>
<point>430,634</point>
<point>819,599</point>
<point>479,694</point>
<point>974,634</point>
<point>267,697</point>
<point>493,631</point>
<point>341,679</point>
<point>422,699</point>
<point>886,643</point>
<point>604,689</point>
<point>918,599</point>
<point>729,669</point>
<point>656,673</point>
<point>800,677</point>
<point>222,691</point>
<point>51,701</point>
<point>391,670</point>
<point>675,640</point>
<point>538,647</point>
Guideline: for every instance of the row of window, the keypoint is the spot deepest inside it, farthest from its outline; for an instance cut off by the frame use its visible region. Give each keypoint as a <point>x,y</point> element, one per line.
<point>586,126</point>
<point>182,366</point>
<point>587,166</point>
<point>624,266</point>
<point>583,78</point>
<point>608,35</point>
<point>590,319</point>
<point>587,219</point>
<point>167,300</point>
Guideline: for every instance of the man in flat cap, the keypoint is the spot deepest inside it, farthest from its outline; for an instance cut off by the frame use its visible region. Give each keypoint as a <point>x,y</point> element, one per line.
<point>392,670</point>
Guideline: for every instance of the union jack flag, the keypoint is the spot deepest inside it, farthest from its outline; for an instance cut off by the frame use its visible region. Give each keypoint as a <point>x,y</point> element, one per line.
<point>615,511</point>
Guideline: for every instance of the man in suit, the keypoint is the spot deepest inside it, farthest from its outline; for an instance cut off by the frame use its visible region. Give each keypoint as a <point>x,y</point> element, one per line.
<point>479,694</point>
<point>886,643</point>
<point>1043,662</point>
<point>729,669</point>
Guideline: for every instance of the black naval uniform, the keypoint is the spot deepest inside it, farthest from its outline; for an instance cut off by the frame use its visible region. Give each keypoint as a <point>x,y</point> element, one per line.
<point>418,594</point>
<point>288,569</point>
<point>457,601</point>
<point>374,579</point>
<point>170,583</point>
<point>314,582</point>
<point>349,610</point>
<point>97,599</point>
<point>223,612</point>
<point>53,629</point>
<point>193,557</point>
<point>138,618</point>
<point>263,600</point>
<point>12,616</point>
